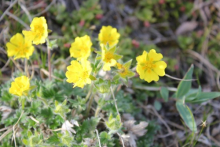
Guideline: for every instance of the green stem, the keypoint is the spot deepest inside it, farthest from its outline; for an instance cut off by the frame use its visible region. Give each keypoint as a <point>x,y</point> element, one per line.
<point>89,93</point>
<point>89,105</point>
<point>49,63</point>
<point>115,103</point>
<point>26,67</point>
<point>97,111</point>
<point>90,100</point>
<point>44,101</point>
<point>198,136</point>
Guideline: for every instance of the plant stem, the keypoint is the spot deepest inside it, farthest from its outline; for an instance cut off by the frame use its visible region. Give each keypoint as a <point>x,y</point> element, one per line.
<point>89,93</point>
<point>49,63</point>
<point>122,141</point>
<point>198,136</point>
<point>97,111</point>
<point>97,133</point>
<point>115,103</point>
<point>89,105</point>
<point>26,67</point>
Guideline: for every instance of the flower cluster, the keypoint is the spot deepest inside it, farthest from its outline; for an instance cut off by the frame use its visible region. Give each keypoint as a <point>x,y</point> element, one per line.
<point>80,71</point>
<point>149,65</point>
<point>22,47</point>
<point>38,32</point>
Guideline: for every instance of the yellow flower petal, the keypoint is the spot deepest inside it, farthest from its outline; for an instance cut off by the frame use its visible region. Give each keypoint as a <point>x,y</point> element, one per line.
<point>81,47</point>
<point>151,76</point>
<point>38,32</point>
<point>155,56</point>
<point>19,47</point>
<point>20,86</point>
<point>79,74</point>
<point>142,57</point>
<point>160,66</point>
<point>108,35</point>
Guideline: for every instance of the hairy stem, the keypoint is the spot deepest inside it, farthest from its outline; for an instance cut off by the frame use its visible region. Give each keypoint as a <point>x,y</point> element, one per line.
<point>49,63</point>
<point>115,103</point>
<point>97,111</point>
<point>89,93</point>
<point>26,67</point>
<point>89,105</point>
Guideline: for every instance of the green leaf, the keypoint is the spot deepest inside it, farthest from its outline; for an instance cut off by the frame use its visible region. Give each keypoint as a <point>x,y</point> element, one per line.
<point>113,124</point>
<point>102,86</point>
<point>6,96</point>
<point>192,93</point>
<point>185,86</point>
<point>164,93</point>
<point>66,139</point>
<point>157,105</point>
<point>205,96</point>
<point>25,141</point>
<point>186,115</point>
<point>61,109</point>
<point>88,126</point>
<point>52,44</point>
<point>106,140</point>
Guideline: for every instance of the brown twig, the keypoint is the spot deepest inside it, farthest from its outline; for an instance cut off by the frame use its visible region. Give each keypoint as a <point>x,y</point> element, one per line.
<point>17,19</point>
<point>46,9</point>
<point>12,4</point>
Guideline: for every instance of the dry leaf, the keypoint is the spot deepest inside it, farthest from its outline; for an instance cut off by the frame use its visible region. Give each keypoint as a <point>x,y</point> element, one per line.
<point>67,126</point>
<point>138,130</point>
<point>186,27</point>
<point>5,111</point>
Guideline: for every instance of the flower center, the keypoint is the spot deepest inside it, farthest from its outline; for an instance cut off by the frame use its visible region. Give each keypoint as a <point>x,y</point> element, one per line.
<point>85,75</point>
<point>108,57</point>
<point>39,30</point>
<point>124,71</point>
<point>149,65</point>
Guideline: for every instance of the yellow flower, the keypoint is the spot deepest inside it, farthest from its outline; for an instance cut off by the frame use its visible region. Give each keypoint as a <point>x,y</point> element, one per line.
<point>79,74</point>
<point>109,57</point>
<point>108,35</point>
<point>124,70</point>
<point>38,32</point>
<point>150,66</point>
<point>81,47</point>
<point>20,86</point>
<point>19,47</point>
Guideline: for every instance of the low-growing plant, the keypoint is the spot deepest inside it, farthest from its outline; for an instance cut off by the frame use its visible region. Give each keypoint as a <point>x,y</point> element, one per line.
<point>84,105</point>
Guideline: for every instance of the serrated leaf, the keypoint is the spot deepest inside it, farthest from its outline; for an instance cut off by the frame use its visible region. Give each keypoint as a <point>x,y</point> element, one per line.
<point>88,126</point>
<point>52,44</point>
<point>185,86</point>
<point>102,86</point>
<point>186,115</point>
<point>113,124</point>
<point>61,109</point>
<point>164,93</point>
<point>6,96</point>
<point>105,139</point>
